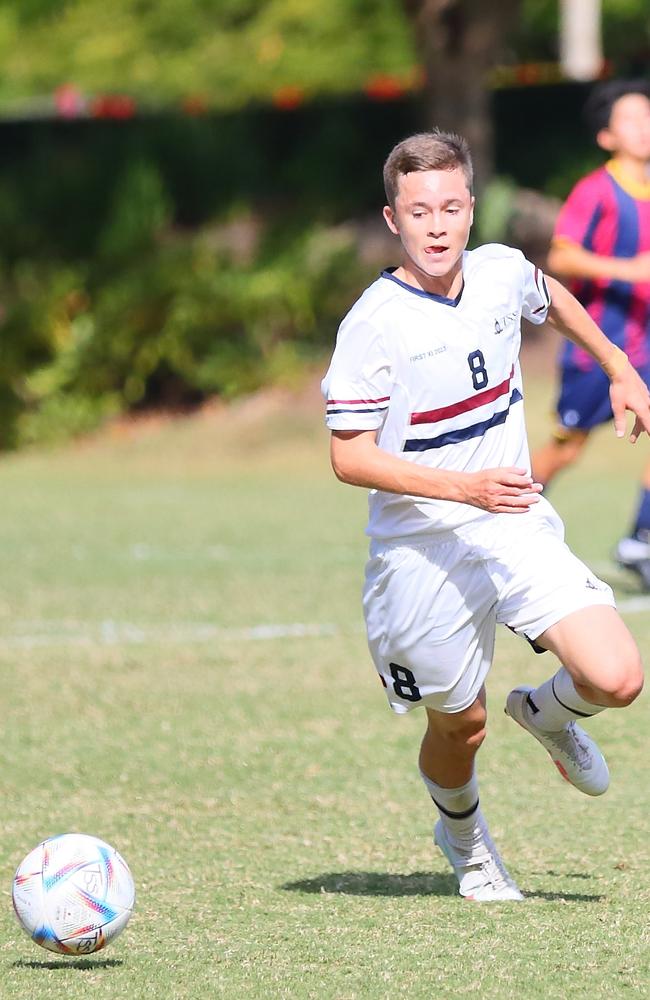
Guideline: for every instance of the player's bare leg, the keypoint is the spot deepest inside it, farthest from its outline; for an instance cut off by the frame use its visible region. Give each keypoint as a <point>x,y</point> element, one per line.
<point>451,743</point>
<point>601,669</point>
<point>597,648</point>
<point>449,747</point>
<point>563,449</point>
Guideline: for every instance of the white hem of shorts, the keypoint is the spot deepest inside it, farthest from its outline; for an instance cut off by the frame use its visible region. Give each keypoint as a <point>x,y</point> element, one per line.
<point>603,600</point>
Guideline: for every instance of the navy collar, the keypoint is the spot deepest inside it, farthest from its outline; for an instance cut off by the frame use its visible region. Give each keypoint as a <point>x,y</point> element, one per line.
<point>388,273</point>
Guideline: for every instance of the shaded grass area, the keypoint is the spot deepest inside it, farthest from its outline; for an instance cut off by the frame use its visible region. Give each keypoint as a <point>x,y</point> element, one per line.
<point>265,798</point>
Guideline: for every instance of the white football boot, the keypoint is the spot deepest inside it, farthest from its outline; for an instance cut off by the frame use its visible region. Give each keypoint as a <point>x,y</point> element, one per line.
<point>575,754</point>
<point>481,874</point>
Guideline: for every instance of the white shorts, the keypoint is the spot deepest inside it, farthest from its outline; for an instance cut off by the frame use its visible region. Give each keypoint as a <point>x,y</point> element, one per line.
<point>431,608</point>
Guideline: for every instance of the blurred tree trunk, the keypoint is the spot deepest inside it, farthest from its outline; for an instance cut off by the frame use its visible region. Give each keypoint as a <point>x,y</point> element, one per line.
<point>581,50</point>
<point>460,41</point>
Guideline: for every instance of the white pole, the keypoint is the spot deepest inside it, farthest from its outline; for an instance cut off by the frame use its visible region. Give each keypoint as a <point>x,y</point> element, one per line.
<point>581,52</point>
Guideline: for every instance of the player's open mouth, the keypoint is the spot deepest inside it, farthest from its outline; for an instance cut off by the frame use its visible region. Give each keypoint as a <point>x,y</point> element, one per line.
<point>435,249</point>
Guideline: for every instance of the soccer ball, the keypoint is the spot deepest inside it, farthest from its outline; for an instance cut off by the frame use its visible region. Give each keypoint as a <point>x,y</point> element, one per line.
<point>73,894</point>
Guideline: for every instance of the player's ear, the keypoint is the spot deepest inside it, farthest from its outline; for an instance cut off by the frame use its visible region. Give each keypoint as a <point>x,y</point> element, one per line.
<point>389,216</point>
<point>605,140</point>
<point>471,210</point>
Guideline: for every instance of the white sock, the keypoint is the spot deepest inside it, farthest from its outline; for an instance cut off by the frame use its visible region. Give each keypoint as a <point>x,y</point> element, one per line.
<point>556,702</point>
<point>458,807</point>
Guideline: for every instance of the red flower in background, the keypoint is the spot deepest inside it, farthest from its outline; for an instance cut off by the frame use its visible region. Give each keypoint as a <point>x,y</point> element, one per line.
<point>69,101</point>
<point>384,87</point>
<point>118,106</point>
<point>289,97</point>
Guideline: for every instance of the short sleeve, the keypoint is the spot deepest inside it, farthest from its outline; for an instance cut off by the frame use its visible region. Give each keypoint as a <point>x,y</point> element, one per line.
<point>580,213</point>
<point>358,383</point>
<point>536,298</point>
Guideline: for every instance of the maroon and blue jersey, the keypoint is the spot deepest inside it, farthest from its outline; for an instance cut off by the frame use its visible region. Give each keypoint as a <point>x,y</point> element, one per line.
<point>609,214</point>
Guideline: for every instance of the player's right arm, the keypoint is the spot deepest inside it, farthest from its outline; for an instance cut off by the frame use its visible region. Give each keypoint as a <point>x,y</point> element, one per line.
<point>358,461</point>
<point>570,260</point>
<point>571,255</point>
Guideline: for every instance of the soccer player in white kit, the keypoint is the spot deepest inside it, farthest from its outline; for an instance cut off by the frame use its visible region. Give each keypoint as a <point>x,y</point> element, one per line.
<point>425,404</point>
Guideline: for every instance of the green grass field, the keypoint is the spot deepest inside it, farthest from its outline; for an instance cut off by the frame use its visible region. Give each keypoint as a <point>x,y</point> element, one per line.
<point>185,675</point>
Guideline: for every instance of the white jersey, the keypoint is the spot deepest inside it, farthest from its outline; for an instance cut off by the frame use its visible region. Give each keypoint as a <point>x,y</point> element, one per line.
<point>439,379</point>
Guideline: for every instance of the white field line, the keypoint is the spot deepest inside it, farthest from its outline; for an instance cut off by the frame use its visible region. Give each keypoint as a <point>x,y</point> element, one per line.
<point>112,633</point>
<point>634,605</point>
<point>616,576</point>
<point>32,634</point>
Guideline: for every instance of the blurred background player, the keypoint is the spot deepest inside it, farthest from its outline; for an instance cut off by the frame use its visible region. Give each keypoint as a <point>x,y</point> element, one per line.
<point>601,245</point>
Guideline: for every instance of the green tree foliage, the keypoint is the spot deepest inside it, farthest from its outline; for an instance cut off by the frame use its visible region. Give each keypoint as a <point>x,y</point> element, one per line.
<point>118,286</point>
<point>162,261</point>
<point>230,51</point>
<point>175,323</point>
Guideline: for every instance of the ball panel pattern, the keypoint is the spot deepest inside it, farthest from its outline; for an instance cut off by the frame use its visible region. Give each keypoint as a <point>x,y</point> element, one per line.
<point>73,894</point>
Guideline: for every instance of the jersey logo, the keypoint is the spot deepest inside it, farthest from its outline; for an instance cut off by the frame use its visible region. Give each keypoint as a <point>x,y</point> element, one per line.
<point>501,324</point>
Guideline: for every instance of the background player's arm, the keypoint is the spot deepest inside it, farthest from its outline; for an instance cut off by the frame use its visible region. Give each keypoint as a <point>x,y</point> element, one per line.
<point>627,391</point>
<point>570,260</point>
<point>357,460</point>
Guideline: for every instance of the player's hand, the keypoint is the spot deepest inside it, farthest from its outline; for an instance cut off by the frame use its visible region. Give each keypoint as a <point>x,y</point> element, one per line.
<point>628,391</point>
<point>502,491</point>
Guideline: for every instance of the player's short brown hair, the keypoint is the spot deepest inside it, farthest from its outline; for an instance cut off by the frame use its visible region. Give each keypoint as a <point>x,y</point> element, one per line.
<point>434,150</point>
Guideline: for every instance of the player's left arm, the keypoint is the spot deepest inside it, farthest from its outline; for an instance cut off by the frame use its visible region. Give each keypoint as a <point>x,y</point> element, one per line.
<point>627,389</point>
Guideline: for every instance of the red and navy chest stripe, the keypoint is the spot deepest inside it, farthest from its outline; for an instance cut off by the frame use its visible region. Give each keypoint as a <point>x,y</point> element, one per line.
<point>455,435</point>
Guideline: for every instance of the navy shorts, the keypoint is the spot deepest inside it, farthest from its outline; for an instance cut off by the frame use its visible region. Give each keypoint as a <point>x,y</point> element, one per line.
<point>584,397</point>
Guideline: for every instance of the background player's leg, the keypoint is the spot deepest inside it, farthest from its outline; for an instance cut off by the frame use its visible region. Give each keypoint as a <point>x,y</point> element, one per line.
<point>563,449</point>
<point>583,403</point>
<point>633,552</point>
<point>641,527</point>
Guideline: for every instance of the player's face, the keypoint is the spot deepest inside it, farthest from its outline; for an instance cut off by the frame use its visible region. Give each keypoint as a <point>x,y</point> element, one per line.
<point>432,217</point>
<point>628,132</point>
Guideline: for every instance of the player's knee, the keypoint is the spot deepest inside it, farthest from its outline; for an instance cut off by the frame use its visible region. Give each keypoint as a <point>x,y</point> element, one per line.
<point>620,685</point>
<point>628,689</point>
<point>474,738</point>
<point>468,733</point>
<point>461,732</point>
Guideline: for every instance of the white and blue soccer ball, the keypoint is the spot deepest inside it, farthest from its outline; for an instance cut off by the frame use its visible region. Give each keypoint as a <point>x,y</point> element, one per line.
<point>73,894</point>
